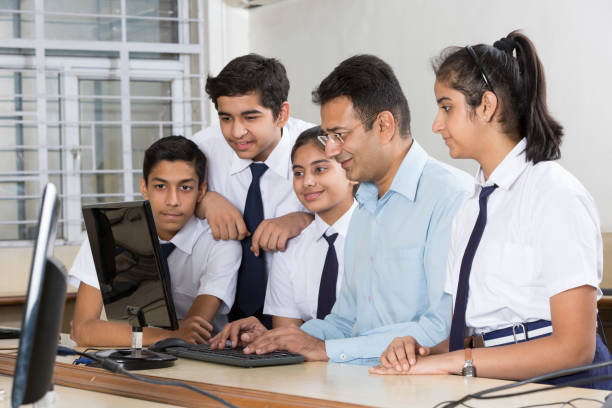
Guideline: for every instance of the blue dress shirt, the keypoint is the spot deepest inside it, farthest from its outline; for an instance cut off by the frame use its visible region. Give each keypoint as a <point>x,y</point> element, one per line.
<point>395,263</point>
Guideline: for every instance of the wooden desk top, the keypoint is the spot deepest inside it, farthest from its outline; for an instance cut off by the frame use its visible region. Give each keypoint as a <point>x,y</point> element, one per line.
<point>18,298</point>
<point>74,398</point>
<point>304,385</point>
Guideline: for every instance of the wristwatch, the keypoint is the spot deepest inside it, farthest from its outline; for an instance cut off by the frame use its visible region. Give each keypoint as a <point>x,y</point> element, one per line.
<point>468,369</point>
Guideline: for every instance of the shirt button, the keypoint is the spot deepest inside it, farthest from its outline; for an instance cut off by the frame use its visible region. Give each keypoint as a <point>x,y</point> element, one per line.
<point>342,356</point>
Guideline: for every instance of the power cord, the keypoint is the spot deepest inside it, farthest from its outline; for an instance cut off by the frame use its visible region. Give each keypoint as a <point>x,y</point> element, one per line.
<point>482,395</point>
<point>114,367</point>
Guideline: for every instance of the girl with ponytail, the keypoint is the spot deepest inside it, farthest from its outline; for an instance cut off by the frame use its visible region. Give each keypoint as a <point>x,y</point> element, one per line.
<point>525,258</point>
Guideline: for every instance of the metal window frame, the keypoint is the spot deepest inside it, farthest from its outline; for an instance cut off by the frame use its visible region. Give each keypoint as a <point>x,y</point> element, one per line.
<point>124,69</point>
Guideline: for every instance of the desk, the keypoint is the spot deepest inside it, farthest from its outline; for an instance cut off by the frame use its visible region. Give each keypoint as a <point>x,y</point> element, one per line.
<point>74,398</point>
<point>301,385</point>
<point>11,308</point>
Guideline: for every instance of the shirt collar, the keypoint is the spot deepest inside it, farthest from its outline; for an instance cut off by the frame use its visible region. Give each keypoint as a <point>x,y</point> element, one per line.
<point>187,236</point>
<point>340,226</point>
<point>406,179</point>
<point>506,172</point>
<point>277,160</point>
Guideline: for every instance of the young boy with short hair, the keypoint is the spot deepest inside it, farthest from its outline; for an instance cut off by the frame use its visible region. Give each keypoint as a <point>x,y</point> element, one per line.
<point>203,271</point>
<point>249,167</point>
<point>306,278</point>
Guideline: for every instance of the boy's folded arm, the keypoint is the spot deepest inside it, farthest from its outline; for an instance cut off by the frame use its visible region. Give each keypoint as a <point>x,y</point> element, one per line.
<point>272,234</point>
<point>225,220</point>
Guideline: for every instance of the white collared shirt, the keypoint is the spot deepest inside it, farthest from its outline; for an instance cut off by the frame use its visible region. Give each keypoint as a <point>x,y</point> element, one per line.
<point>542,237</point>
<point>295,275</point>
<point>199,265</point>
<point>230,176</point>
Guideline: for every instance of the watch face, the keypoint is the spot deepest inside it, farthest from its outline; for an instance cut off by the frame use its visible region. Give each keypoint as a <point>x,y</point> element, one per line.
<point>468,371</point>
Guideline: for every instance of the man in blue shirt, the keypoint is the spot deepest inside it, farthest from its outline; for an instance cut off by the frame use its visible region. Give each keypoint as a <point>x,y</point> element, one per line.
<point>397,242</point>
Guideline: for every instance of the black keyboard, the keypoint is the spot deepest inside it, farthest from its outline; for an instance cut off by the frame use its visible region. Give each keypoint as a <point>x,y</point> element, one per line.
<point>235,356</point>
<point>9,333</point>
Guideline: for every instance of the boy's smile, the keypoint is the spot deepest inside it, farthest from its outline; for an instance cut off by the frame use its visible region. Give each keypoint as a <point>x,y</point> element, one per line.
<point>248,127</point>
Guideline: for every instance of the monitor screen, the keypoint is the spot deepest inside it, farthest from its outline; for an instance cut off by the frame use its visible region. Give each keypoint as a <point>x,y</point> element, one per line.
<point>130,269</point>
<point>43,310</point>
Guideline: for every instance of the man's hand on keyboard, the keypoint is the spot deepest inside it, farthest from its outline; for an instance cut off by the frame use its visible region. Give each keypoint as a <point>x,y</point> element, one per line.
<point>194,330</point>
<point>292,339</point>
<point>240,333</point>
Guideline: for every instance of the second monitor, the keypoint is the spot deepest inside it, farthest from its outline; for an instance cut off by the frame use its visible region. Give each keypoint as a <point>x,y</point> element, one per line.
<point>133,278</point>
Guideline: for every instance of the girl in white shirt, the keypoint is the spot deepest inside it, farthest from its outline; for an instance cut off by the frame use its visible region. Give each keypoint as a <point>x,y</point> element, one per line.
<point>305,279</point>
<point>525,259</point>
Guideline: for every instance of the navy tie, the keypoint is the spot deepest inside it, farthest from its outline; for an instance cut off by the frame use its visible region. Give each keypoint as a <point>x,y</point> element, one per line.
<point>329,277</point>
<point>166,250</point>
<point>457,333</point>
<point>251,287</point>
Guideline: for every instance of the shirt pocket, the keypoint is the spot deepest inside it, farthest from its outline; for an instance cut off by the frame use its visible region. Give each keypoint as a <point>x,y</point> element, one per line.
<point>509,271</point>
<point>403,273</point>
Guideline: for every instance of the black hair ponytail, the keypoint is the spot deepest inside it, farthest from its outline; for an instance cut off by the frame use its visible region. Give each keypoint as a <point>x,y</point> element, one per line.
<point>542,131</point>
<point>518,83</point>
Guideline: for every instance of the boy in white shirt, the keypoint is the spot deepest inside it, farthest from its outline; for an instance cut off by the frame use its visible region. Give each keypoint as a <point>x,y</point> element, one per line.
<point>250,177</point>
<point>306,278</point>
<point>203,271</point>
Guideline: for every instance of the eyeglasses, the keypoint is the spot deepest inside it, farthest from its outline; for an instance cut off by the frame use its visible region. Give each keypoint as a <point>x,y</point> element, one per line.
<point>335,138</point>
<point>338,137</point>
<point>485,77</point>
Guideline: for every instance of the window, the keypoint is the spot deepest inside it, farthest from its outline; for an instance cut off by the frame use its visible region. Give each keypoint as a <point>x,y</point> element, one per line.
<point>85,87</point>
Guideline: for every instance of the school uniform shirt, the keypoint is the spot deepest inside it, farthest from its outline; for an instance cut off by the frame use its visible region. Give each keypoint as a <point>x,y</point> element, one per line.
<point>395,263</point>
<point>230,176</point>
<point>199,265</point>
<point>295,275</point>
<point>542,237</point>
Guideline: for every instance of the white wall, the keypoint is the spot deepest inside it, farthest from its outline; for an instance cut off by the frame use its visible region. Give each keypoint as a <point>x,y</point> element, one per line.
<point>573,39</point>
<point>228,38</point>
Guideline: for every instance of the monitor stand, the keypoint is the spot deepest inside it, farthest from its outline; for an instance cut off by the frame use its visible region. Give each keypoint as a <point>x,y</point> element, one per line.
<point>135,358</point>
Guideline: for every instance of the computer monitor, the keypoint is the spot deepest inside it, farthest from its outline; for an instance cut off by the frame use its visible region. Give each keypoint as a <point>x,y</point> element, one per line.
<point>129,263</point>
<point>43,310</point>
<point>134,281</point>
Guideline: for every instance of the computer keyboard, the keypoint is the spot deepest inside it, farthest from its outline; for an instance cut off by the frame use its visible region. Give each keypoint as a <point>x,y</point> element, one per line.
<point>235,356</point>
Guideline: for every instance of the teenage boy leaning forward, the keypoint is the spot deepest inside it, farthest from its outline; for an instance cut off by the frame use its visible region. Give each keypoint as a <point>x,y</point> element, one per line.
<point>250,175</point>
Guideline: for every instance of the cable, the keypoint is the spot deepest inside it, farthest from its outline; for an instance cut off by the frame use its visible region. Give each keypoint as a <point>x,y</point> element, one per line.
<point>581,381</point>
<point>114,367</point>
<point>548,376</point>
<point>564,403</point>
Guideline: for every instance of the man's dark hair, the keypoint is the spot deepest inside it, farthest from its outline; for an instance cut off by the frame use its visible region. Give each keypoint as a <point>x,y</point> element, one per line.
<point>173,148</point>
<point>372,87</point>
<point>252,73</point>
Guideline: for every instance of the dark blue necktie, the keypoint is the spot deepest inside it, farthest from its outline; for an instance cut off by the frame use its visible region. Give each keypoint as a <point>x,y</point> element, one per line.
<point>457,333</point>
<point>251,287</point>
<point>329,277</point>
<point>166,250</point>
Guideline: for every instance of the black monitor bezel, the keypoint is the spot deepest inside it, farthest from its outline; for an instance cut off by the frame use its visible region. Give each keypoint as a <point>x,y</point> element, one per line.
<point>43,310</point>
<point>153,239</point>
